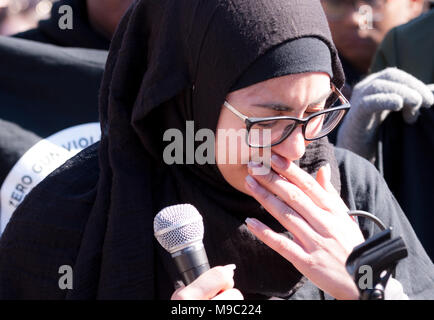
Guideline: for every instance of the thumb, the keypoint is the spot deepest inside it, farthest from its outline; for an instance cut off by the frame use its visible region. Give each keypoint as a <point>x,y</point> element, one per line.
<point>323,177</point>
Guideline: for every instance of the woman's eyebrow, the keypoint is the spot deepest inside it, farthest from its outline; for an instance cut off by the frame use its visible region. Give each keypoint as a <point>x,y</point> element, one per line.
<point>284,107</point>
<point>274,106</point>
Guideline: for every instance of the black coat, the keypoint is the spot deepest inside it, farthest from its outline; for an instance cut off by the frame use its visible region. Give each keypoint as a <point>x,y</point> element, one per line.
<point>82,34</point>
<point>32,271</point>
<point>407,154</point>
<point>44,89</point>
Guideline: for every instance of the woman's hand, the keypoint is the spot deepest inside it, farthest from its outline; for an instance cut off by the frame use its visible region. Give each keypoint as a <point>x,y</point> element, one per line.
<point>313,212</point>
<point>215,284</point>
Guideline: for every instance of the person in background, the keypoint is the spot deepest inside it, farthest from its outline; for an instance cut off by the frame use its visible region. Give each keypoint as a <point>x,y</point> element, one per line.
<point>30,91</point>
<point>94,22</point>
<point>392,121</point>
<point>47,87</point>
<point>358,27</point>
<point>357,37</point>
<point>20,15</point>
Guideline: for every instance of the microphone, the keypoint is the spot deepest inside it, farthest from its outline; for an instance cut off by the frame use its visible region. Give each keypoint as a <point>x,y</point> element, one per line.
<point>179,230</point>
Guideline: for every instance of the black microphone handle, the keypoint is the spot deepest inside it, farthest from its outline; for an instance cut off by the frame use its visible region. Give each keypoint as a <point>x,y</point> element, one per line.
<point>191,262</point>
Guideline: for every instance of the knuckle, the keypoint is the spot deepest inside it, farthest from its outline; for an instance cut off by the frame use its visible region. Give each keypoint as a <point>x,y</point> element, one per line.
<point>224,276</point>
<point>310,185</point>
<point>270,178</point>
<point>288,213</point>
<point>180,294</point>
<point>309,261</point>
<point>265,195</point>
<point>280,244</point>
<point>267,234</point>
<point>236,294</point>
<point>319,241</point>
<point>293,195</point>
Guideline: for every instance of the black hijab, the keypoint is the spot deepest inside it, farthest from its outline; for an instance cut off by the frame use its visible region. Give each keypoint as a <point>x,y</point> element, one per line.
<point>170,62</point>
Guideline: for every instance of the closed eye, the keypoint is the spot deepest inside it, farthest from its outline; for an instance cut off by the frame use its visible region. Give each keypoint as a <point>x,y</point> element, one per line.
<point>267,124</point>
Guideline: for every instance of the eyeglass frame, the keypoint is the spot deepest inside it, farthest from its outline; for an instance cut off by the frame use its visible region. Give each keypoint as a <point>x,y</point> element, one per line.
<point>250,121</point>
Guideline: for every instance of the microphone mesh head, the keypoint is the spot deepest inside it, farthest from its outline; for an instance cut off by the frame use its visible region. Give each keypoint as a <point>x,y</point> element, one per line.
<point>178,226</point>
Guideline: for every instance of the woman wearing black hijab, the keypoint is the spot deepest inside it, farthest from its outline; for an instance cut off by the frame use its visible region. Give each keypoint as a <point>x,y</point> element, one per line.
<point>178,61</point>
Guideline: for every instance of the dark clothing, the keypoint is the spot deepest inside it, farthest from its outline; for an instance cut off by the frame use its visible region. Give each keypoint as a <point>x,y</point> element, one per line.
<point>352,75</point>
<point>408,150</point>
<point>411,54</point>
<point>363,188</point>
<point>82,34</point>
<point>14,142</point>
<point>31,272</point>
<point>44,89</point>
<point>292,57</point>
<point>171,62</point>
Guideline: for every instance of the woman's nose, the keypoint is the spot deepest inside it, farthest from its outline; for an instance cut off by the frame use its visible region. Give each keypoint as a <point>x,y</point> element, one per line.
<point>293,147</point>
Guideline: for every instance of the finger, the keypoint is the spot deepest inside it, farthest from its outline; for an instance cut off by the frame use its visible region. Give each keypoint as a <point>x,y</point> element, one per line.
<point>359,130</point>
<point>231,294</point>
<point>304,181</point>
<point>208,285</point>
<point>296,199</point>
<point>279,243</point>
<point>409,96</point>
<point>400,76</point>
<point>287,217</point>
<point>324,179</point>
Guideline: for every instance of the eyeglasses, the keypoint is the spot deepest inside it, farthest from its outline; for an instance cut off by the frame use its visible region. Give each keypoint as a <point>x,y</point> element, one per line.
<point>339,9</point>
<point>271,131</point>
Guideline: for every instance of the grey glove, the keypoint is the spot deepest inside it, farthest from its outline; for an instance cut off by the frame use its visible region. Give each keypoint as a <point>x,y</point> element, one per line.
<point>372,100</point>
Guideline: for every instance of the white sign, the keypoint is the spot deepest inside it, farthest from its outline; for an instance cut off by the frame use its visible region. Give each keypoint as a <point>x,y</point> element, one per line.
<point>39,161</point>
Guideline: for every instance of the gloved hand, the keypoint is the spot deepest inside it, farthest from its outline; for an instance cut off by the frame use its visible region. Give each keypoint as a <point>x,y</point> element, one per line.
<point>372,100</point>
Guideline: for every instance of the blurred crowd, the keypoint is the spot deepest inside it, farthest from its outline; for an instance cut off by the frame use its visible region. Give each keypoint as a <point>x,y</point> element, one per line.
<point>373,37</point>
<point>21,15</point>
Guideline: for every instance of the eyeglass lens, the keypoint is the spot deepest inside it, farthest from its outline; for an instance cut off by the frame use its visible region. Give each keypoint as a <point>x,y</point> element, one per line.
<point>271,132</point>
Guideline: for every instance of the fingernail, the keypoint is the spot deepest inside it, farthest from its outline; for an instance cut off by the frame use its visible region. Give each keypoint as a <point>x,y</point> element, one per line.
<point>231,266</point>
<point>278,161</point>
<point>251,182</point>
<point>252,222</point>
<point>253,164</point>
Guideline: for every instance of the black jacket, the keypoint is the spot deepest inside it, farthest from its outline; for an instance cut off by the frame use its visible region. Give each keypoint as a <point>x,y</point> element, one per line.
<point>40,238</point>
<point>44,89</point>
<point>407,150</point>
<point>81,36</point>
